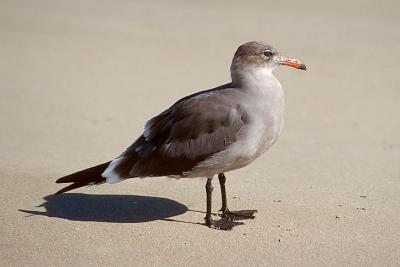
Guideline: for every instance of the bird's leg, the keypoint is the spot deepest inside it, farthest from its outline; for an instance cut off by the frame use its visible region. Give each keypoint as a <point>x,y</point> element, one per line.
<point>209,190</point>
<point>222,180</point>
<point>224,223</point>
<point>226,213</point>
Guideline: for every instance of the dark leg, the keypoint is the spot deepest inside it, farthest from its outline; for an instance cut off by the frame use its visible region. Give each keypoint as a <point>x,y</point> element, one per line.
<point>209,190</point>
<point>226,213</point>
<point>222,179</point>
<point>223,224</point>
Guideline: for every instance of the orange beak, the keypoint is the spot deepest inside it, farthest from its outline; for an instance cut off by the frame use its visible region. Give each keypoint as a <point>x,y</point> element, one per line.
<point>292,63</point>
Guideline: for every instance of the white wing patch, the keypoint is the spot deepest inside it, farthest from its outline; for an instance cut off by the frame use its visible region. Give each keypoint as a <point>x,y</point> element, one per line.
<point>111,176</point>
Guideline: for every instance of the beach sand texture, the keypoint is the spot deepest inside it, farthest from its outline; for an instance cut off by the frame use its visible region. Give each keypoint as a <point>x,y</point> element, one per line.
<point>78,80</point>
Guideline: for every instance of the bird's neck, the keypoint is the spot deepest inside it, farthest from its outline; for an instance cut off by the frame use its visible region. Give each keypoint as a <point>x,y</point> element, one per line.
<point>251,76</point>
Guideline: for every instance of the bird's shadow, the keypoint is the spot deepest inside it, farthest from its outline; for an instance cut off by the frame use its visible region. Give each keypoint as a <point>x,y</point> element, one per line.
<point>109,208</point>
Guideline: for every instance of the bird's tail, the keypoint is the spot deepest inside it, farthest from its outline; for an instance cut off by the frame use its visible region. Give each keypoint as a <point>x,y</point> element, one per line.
<point>90,176</point>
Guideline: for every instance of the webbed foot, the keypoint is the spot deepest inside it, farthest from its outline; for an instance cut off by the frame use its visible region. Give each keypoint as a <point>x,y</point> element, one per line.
<point>238,215</point>
<point>223,224</point>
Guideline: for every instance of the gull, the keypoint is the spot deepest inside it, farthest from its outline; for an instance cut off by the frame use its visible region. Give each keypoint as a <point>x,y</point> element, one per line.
<point>208,133</point>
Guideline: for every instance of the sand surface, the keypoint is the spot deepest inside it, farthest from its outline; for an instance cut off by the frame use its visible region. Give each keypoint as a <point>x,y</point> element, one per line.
<point>78,79</point>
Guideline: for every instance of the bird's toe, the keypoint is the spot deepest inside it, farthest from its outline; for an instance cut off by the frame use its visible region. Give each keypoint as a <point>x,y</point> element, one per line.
<point>238,215</point>
<point>225,224</point>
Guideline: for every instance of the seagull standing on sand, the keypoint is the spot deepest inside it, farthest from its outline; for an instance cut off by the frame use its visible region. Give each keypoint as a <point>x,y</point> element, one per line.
<point>208,133</point>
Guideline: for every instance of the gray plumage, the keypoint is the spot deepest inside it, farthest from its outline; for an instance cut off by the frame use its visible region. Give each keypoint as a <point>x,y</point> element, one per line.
<point>212,131</point>
<point>192,130</point>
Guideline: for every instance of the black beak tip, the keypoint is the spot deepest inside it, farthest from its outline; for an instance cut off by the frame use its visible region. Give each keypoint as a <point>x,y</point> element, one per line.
<point>303,67</point>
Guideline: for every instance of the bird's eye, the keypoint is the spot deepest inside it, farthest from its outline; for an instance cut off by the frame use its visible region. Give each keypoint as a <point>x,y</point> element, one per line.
<point>268,53</point>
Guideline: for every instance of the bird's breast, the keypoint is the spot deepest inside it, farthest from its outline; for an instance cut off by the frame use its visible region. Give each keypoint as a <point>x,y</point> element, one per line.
<point>266,109</point>
<point>263,105</point>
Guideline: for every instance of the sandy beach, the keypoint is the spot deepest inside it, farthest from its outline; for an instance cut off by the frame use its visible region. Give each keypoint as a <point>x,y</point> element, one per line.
<point>78,80</point>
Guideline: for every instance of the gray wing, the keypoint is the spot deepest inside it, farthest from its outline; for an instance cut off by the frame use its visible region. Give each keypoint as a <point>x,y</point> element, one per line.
<point>193,129</point>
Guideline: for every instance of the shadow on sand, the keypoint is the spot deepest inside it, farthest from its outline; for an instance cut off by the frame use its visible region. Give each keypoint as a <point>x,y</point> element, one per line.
<point>109,208</point>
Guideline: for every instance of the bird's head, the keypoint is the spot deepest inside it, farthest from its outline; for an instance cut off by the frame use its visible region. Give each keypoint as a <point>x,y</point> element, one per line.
<point>260,56</point>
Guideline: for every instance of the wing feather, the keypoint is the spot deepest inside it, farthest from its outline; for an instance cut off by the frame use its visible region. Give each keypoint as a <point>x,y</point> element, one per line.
<point>193,129</point>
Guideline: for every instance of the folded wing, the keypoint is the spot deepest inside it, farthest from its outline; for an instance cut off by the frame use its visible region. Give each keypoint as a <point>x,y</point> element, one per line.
<point>192,130</point>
